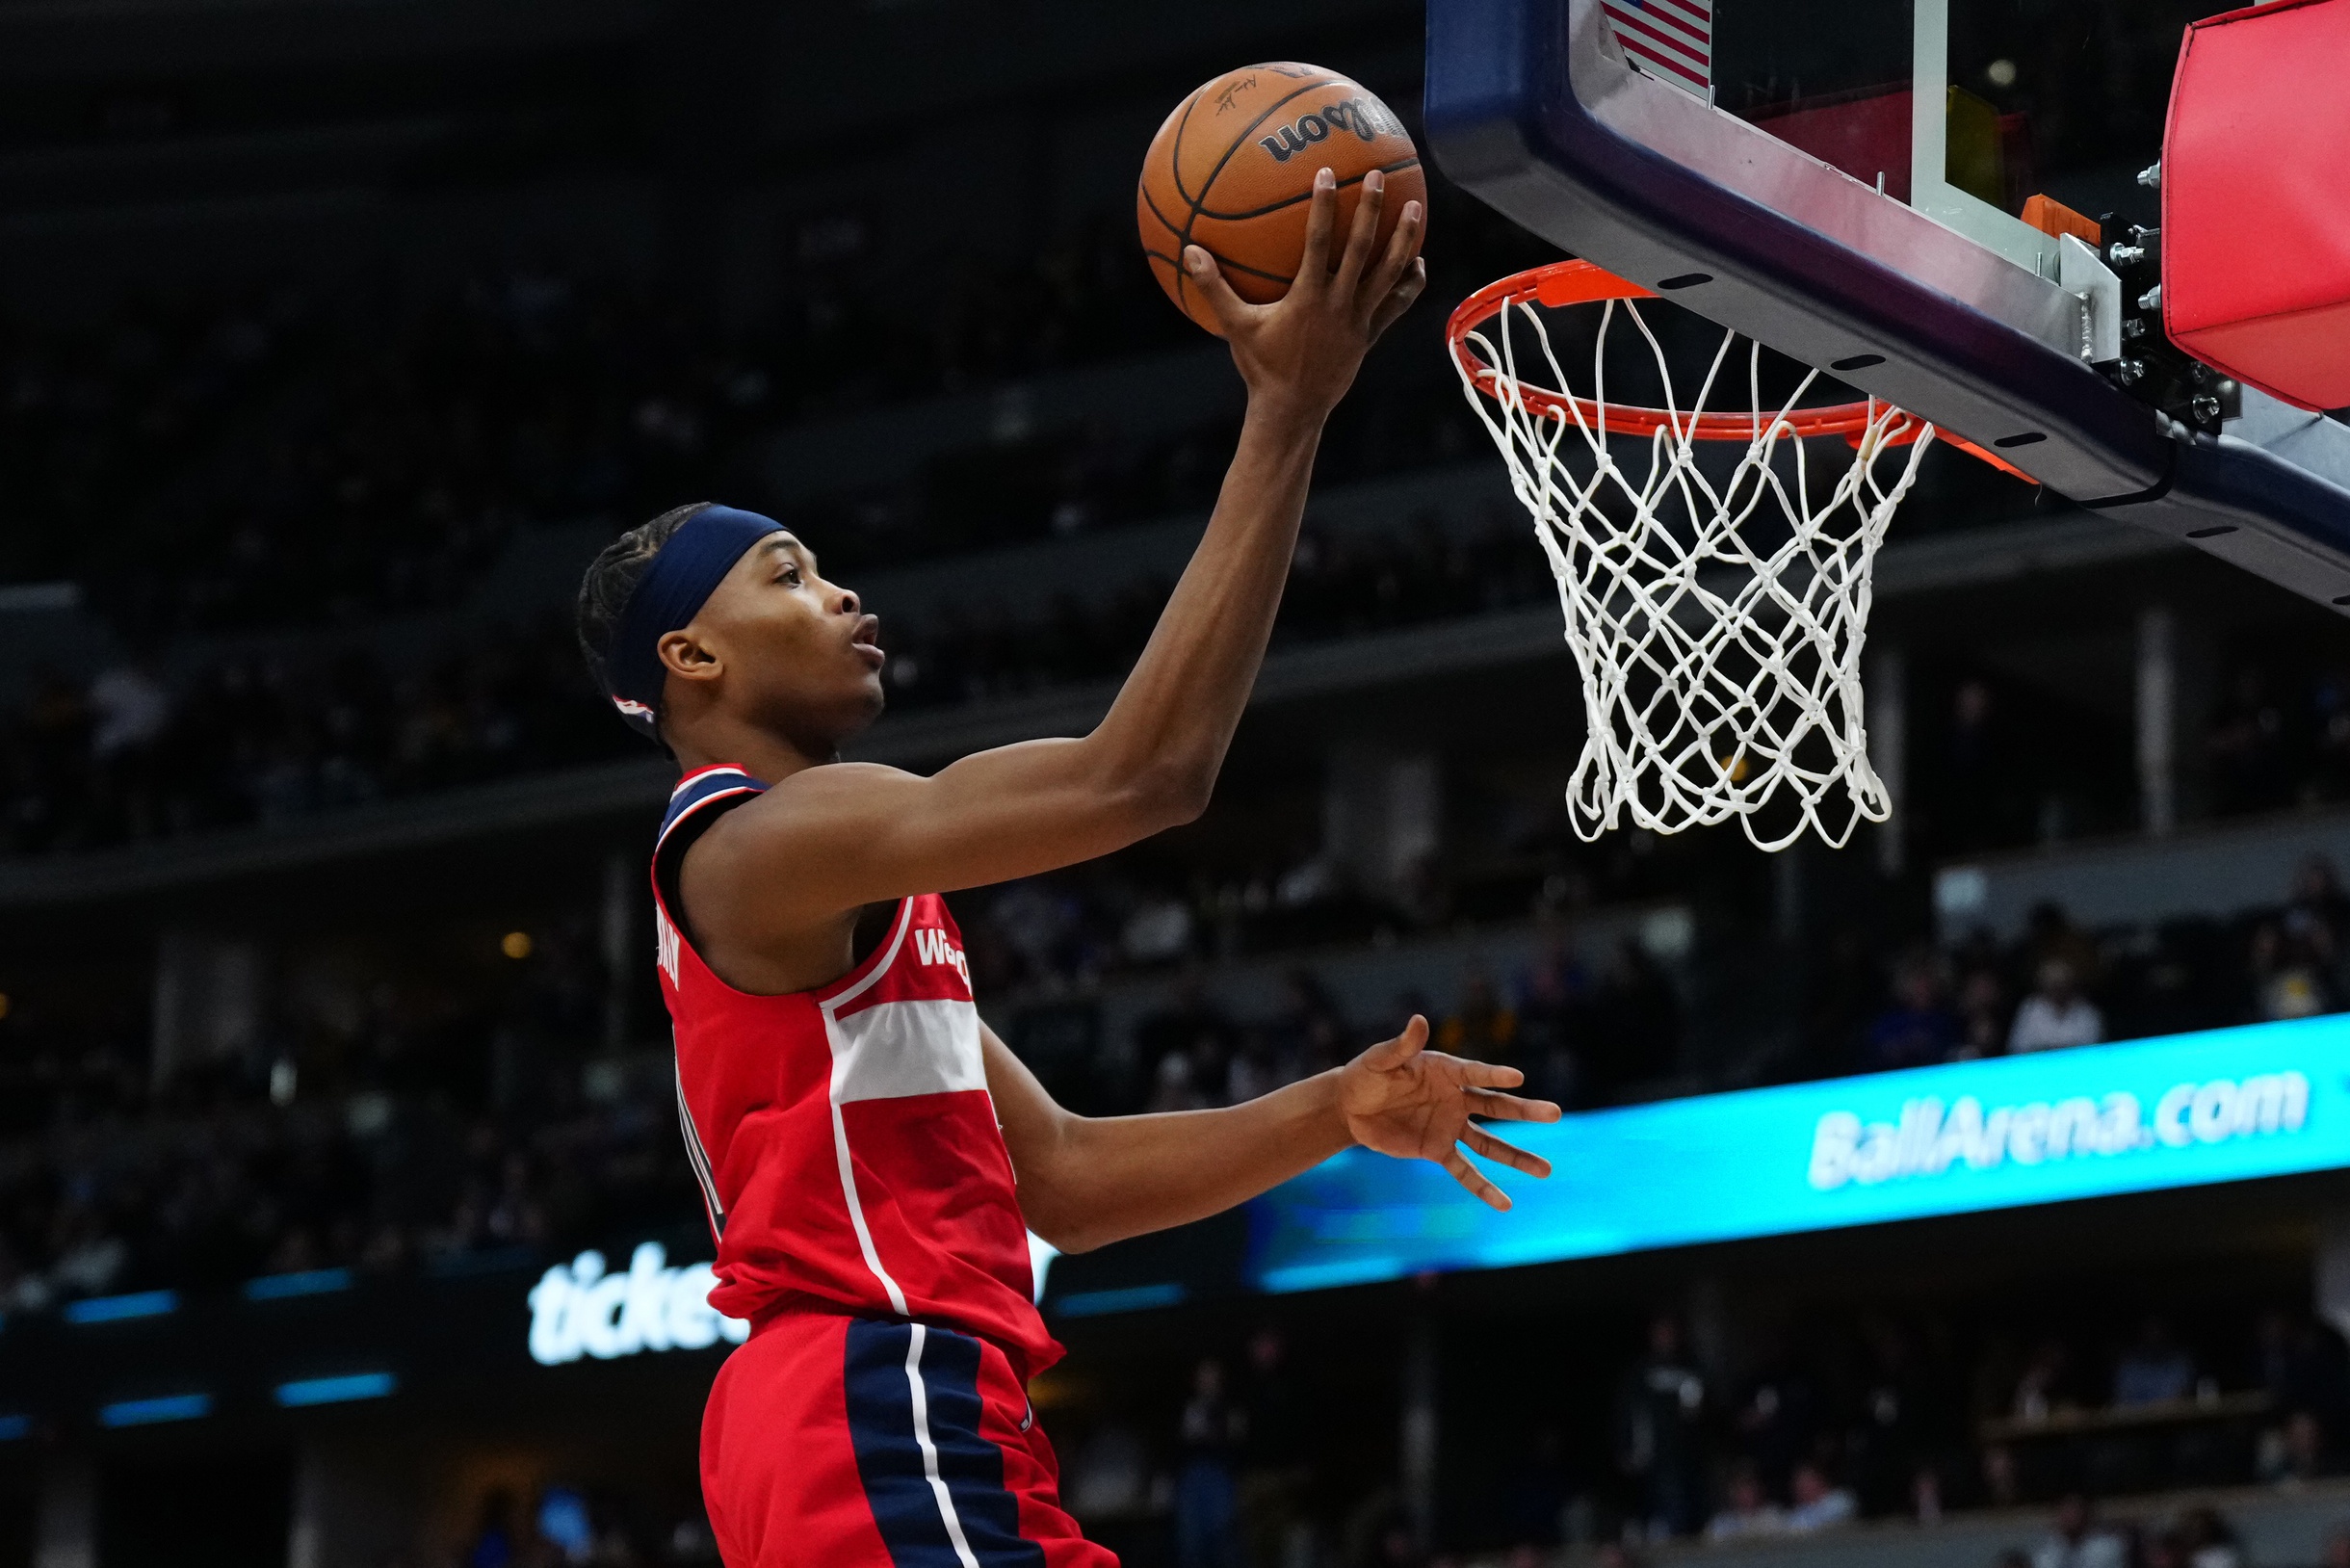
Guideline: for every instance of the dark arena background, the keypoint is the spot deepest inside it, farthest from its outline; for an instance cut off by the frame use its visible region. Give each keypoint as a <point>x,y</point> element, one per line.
<point>343,1217</point>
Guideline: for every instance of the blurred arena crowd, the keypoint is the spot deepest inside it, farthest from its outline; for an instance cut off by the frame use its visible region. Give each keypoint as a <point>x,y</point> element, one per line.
<point>434,1132</point>
<point>150,749</point>
<point>1866,1416</point>
<point>212,460</point>
<point>417,1120</point>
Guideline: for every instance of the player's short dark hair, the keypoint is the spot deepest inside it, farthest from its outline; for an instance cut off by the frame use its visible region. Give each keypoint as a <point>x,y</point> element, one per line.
<point>612,576</point>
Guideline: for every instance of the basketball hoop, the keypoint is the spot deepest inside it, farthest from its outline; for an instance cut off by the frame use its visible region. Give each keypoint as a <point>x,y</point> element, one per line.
<point>1716,622</point>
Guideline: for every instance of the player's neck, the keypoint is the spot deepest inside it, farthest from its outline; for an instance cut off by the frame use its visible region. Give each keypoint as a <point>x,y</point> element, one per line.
<point>766,755</point>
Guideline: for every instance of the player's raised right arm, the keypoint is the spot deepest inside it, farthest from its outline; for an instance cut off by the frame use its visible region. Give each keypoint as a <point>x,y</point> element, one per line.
<point>836,837</point>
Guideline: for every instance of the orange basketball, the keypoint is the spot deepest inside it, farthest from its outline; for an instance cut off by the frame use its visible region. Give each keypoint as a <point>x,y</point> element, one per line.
<point>1233,167</point>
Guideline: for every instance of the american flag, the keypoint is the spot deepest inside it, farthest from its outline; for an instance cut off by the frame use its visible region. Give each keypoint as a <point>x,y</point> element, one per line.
<point>1672,39</point>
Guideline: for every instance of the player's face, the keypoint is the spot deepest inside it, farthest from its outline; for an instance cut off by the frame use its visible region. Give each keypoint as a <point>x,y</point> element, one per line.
<point>801,655</point>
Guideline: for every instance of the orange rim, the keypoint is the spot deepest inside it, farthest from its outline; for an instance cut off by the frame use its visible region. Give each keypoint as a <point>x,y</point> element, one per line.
<point>1563,283</point>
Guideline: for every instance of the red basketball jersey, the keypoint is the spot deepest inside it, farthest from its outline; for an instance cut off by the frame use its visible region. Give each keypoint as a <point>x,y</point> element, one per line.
<point>844,1138</point>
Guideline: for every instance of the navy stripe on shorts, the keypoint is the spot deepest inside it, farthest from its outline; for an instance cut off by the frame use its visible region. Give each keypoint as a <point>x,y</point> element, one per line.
<point>883,1424</point>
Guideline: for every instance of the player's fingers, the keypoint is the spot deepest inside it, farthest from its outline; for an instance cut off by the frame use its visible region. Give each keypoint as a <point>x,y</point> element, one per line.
<point>1321,222</point>
<point>1359,239</point>
<point>1402,1048</point>
<point>1230,309</point>
<point>1402,246</point>
<point>1482,1143</point>
<point>1470,1177</point>
<point>1498,1106</point>
<point>1399,299</point>
<point>1489,1074</point>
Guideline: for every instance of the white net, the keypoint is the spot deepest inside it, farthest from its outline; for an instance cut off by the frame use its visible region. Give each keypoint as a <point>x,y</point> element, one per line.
<point>1716,608</point>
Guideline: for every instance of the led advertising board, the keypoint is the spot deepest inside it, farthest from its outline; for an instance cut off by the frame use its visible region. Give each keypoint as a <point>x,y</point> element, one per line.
<point>2182,1111</point>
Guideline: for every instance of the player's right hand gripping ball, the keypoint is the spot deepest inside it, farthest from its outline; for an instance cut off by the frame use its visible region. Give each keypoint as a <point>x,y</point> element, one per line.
<point>1233,168</point>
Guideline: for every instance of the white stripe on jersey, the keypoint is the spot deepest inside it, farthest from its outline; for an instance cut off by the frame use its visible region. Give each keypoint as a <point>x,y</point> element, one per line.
<point>893,1049</point>
<point>840,1128</point>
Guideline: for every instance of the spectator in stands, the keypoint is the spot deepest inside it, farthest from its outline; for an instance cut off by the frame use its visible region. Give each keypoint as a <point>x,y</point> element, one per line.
<point>1111,1477</point>
<point>1187,1043</point>
<point>2076,1540</point>
<point>2002,1485</point>
<point>2317,895</point>
<point>1254,1069</point>
<point>1175,1085</point>
<point>2294,1453</point>
<point>2207,1541</point>
<point>1903,1416</point>
<point>1843,991</point>
<point>1635,1027</point>
<point>1978,780</point>
<point>1660,1411</point>
<point>1982,1015</point>
<point>1158,930</point>
<point>1553,1009</point>
<point>2289,968</point>
<point>1481,1026</point>
<point>1917,1031</point>
<point>1925,1495</point>
<point>1207,1503</point>
<point>2048,1383</point>
<point>2155,1370</point>
<point>2301,1367</point>
<point>2055,1015</point>
<point>1534,1490</point>
<point>2247,747</point>
<point>1276,1452</point>
<point>1746,1510</point>
<point>1817,1503</point>
<point>1309,1031</point>
<point>497,1540</point>
<point>1777,1420</point>
<point>2050,932</point>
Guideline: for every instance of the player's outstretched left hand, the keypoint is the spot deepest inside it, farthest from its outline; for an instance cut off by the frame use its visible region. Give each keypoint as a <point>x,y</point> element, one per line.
<point>1403,1099</point>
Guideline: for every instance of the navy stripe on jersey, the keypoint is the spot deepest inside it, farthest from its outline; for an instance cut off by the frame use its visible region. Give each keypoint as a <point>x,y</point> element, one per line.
<point>698,790</point>
<point>699,1158</point>
<point>885,1363</point>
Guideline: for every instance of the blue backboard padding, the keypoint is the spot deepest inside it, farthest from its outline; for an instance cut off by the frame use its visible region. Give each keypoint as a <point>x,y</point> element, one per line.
<point>1772,1161</point>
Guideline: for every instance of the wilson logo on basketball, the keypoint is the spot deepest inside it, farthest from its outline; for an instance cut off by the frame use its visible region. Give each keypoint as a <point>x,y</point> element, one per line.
<point>1365,118</point>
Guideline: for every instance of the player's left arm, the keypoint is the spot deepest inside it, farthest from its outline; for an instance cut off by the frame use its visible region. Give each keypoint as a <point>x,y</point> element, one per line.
<point>1085,1181</point>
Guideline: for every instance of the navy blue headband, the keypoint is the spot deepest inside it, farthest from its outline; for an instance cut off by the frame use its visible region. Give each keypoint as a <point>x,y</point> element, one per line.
<point>684,572</point>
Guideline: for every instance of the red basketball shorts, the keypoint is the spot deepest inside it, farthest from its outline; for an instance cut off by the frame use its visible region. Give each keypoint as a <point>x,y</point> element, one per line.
<point>837,1441</point>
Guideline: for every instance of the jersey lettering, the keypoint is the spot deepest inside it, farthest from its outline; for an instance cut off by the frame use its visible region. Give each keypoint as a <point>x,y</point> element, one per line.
<point>932,947</point>
<point>664,944</point>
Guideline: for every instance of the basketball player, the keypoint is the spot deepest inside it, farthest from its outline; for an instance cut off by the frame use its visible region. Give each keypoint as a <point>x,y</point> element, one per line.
<point>871,1154</point>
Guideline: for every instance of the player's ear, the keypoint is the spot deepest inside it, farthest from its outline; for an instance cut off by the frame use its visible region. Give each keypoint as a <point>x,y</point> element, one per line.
<point>689,656</point>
